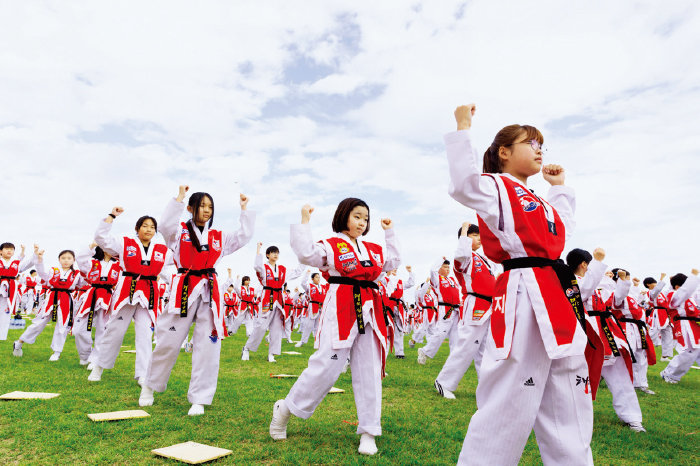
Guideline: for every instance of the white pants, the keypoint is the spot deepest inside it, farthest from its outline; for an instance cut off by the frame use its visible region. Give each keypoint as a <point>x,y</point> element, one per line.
<point>471,343</point>
<point>113,337</point>
<point>624,398</point>
<point>639,368</point>
<point>528,390</point>
<point>27,302</point>
<point>243,318</point>
<point>172,330</point>
<point>667,341</point>
<point>398,342</point>
<point>681,363</point>
<point>325,366</point>
<point>308,326</point>
<point>83,336</point>
<point>5,315</point>
<point>288,329</point>
<point>445,328</point>
<point>273,321</point>
<point>38,325</point>
<point>426,328</point>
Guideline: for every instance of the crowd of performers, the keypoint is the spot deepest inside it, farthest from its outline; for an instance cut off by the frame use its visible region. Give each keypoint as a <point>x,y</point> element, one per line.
<point>540,330</point>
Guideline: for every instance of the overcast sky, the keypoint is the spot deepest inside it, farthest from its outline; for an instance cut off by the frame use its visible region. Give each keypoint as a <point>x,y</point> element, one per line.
<point>117,103</point>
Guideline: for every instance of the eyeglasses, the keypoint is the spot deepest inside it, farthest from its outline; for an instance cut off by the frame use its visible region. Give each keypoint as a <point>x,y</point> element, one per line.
<point>534,143</point>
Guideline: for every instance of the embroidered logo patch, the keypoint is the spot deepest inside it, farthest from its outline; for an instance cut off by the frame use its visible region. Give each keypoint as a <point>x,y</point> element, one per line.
<point>130,251</point>
<point>343,247</point>
<point>529,203</point>
<point>158,256</point>
<point>520,191</point>
<point>114,274</point>
<point>216,244</point>
<point>344,257</point>
<point>186,236</point>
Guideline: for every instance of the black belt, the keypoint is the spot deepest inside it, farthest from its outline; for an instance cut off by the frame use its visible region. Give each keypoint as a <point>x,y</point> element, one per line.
<point>54,311</point>
<point>272,297</point>
<point>316,302</point>
<point>357,285</point>
<point>93,301</point>
<point>690,318</point>
<point>449,311</point>
<point>430,307</point>
<point>480,296</point>
<point>567,281</point>
<point>604,316</point>
<point>184,296</point>
<point>149,278</point>
<point>641,326</point>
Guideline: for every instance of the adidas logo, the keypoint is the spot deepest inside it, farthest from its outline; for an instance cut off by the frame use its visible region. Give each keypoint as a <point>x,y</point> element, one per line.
<point>476,342</point>
<point>172,329</point>
<point>529,382</point>
<point>120,318</point>
<point>334,357</point>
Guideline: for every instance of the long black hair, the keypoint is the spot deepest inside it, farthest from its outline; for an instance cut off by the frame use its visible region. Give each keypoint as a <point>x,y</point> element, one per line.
<point>195,202</point>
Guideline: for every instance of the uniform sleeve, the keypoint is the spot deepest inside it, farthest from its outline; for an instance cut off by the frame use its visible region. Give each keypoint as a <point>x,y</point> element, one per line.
<point>84,259</point>
<point>683,293</point>
<point>305,286</point>
<point>307,251</point>
<point>463,254</point>
<point>392,258</point>
<point>435,275</point>
<point>622,290</point>
<point>169,224</point>
<point>258,267</point>
<point>41,271</point>
<point>26,263</point>
<point>653,294</point>
<point>242,236</point>
<point>467,186</point>
<point>563,199</point>
<point>590,281</point>
<point>411,280</point>
<point>106,241</point>
<point>296,272</point>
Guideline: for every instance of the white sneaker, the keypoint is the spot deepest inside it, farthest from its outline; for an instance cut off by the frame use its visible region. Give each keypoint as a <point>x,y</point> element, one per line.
<point>289,340</point>
<point>245,355</point>
<point>666,379</point>
<point>422,357</point>
<point>299,344</point>
<point>280,418</point>
<point>271,358</point>
<point>444,393</point>
<point>146,397</point>
<point>90,366</point>
<point>17,349</point>
<point>196,410</point>
<point>646,390</point>
<point>55,356</point>
<point>636,426</point>
<point>84,362</point>
<point>96,374</point>
<point>367,445</point>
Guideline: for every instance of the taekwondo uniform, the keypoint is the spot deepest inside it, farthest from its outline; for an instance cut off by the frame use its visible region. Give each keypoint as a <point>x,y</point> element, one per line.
<point>661,326</point>
<point>477,280</point>
<point>135,296</point>
<point>195,297</point>
<point>93,311</point>
<point>686,328</point>
<point>317,294</point>
<point>248,306</point>
<point>9,271</point>
<point>58,307</point>
<point>399,311</point>
<point>448,304</point>
<point>534,365</point>
<point>271,308</point>
<point>352,323</point>
<point>426,302</point>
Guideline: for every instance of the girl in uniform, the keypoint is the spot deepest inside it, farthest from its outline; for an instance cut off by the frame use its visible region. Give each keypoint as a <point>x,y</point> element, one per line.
<point>58,306</point>
<point>195,296</point>
<point>10,268</point>
<point>352,320</point>
<point>136,294</point>
<point>102,273</point>
<point>533,372</point>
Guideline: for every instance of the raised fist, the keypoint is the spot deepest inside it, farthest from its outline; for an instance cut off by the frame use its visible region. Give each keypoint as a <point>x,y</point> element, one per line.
<point>463,116</point>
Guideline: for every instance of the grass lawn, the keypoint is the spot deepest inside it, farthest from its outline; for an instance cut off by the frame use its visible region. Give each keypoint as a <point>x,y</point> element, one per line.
<point>419,426</point>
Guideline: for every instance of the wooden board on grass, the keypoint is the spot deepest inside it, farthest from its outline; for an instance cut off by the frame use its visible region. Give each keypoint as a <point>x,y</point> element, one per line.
<point>130,351</point>
<point>283,376</point>
<point>291,352</point>
<point>28,396</point>
<point>336,390</point>
<point>192,452</point>
<point>118,415</point>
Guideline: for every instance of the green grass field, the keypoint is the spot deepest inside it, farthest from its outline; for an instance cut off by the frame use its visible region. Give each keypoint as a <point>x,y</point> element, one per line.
<point>419,426</point>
